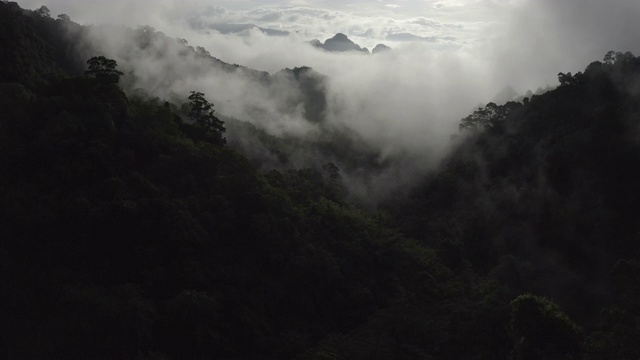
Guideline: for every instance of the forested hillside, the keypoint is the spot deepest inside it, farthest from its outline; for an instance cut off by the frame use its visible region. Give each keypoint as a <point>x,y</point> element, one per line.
<point>136,227</point>
<point>543,196</point>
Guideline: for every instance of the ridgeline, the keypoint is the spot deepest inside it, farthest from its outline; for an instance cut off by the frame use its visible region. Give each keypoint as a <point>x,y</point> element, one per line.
<point>131,230</point>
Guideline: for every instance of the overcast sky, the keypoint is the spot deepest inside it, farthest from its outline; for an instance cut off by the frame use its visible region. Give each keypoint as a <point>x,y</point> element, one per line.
<point>491,44</point>
<point>551,28</point>
<point>367,21</point>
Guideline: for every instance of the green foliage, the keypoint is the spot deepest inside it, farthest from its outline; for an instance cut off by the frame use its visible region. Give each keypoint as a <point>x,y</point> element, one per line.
<point>542,331</point>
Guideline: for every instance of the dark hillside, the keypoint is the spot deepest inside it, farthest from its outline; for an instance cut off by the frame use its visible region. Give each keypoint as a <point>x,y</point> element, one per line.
<point>130,230</point>
<point>544,195</point>
<point>127,234</point>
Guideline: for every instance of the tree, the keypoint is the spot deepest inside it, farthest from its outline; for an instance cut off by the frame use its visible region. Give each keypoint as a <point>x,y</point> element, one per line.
<point>332,171</point>
<point>488,117</point>
<point>568,79</point>
<point>44,12</point>
<point>542,330</point>
<point>104,70</point>
<point>610,57</point>
<point>201,113</point>
<point>64,18</point>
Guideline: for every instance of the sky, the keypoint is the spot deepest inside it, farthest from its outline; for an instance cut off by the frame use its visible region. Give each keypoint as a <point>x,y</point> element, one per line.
<point>313,18</point>
<point>558,35</point>
<point>408,101</point>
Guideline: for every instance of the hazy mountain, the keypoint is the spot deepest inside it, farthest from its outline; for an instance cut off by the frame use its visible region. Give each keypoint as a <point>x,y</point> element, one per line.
<point>339,43</point>
<point>130,230</point>
<point>380,48</point>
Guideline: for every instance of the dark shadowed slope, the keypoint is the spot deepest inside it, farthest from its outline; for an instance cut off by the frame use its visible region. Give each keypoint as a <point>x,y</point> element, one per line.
<point>130,231</point>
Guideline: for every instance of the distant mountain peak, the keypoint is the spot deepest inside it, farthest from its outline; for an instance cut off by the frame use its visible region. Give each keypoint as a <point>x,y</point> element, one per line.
<point>340,37</point>
<point>380,48</point>
<point>339,43</point>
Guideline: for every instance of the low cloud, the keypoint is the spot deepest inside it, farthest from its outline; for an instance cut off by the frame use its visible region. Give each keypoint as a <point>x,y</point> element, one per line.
<point>545,37</point>
<point>408,102</point>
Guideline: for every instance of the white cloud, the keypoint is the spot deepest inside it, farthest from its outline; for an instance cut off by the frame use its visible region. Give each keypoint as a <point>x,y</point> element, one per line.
<point>545,37</point>
<point>522,43</point>
<point>407,101</point>
<point>313,18</point>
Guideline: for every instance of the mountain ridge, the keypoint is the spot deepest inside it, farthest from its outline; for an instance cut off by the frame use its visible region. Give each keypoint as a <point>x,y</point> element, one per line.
<point>341,43</point>
<point>127,234</point>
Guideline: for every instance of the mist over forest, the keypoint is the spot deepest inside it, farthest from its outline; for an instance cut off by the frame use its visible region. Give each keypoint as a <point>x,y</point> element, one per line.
<point>327,180</point>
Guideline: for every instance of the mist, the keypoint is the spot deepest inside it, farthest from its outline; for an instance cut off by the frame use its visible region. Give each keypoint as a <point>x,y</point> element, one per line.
<point>546,37</point>
<point>406,103</point>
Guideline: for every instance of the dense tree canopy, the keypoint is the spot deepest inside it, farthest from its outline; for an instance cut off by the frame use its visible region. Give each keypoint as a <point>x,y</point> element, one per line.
<point>129,231</point>
<point>104,70</point>
<point>542,331</point>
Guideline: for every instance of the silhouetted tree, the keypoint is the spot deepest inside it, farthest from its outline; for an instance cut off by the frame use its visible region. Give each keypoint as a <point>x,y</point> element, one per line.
<point>488,117</point>
<point>568,79</point>
<point>104,70</point>
<point>44,12</point>
<point>610,57</point>
<point>201,113</point>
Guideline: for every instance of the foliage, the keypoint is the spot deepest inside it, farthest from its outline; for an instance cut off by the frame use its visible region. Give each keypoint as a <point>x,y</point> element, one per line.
<point>542,196</point>
<point>491,116</point>
<point>201,113</point>
<point>542,331</point>
<point>128,232</point>
<point>104,70</point>
<point>44,12</point>
<point>64,18</point>
<point>136,238</point>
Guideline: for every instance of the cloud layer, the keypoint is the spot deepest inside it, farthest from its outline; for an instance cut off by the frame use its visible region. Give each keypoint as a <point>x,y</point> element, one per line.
<point>315,19</point>
<point>406,102</point>
<point>545,37</point>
